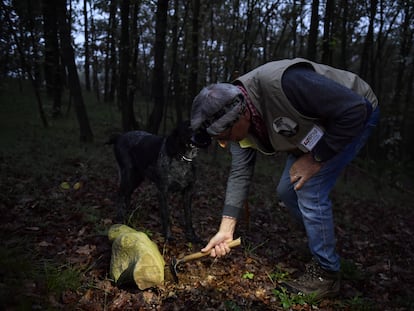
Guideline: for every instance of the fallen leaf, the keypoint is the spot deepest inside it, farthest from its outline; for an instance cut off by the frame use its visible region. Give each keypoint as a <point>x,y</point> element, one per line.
<point>86,249</point>
<point>32,228</point>
<point>45,244</point>
<point>65,185</point>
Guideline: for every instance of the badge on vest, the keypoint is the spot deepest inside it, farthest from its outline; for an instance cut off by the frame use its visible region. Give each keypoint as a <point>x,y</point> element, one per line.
<point>285,126</point>
<point>311,139</point>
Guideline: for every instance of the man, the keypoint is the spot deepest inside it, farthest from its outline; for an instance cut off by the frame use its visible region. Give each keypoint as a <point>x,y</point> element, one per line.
<point>319,115</point>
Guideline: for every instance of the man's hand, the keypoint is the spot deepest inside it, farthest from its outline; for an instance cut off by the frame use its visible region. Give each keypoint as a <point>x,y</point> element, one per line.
<point>218,243</point>
<point>303,169</point>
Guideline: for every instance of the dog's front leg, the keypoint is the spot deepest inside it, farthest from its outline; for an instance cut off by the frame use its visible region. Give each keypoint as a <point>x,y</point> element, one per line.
<point>122,205</point>
<point>128,182</point>
<point>188,218</point>
<point>165,215</point>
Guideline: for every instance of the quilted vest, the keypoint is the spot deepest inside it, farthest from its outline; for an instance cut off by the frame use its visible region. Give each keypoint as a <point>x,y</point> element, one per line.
<point>264,87</point>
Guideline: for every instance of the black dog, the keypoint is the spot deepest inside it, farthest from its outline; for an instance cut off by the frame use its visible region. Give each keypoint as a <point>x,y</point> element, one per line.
<point>166,161</point>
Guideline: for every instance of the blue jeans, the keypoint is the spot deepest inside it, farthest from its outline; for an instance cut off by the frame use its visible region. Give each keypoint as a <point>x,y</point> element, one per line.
<point>311,205</point>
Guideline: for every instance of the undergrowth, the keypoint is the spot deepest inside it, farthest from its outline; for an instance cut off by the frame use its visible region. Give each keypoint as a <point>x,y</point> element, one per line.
<point>32,156</point>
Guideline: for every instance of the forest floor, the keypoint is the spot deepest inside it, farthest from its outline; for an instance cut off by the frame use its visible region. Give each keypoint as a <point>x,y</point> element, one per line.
<point>57,203</point>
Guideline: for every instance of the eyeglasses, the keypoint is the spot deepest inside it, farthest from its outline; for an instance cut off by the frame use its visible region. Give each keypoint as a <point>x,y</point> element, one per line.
<point>202,138</point>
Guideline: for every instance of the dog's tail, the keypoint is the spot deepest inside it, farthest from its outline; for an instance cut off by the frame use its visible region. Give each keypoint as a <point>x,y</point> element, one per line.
<point>112,139</point>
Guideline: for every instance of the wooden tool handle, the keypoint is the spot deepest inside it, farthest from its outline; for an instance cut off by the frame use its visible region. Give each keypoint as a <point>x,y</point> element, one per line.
<point>197,255</point>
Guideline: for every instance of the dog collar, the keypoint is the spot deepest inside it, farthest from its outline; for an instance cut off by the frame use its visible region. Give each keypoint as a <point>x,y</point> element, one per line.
<point>184,158</point>
<point>189,156</point>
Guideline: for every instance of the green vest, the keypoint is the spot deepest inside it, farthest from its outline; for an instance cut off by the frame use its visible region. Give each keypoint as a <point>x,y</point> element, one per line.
<point>264,87</point>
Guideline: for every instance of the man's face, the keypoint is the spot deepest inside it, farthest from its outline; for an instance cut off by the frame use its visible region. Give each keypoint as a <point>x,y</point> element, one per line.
<point>237,132</point>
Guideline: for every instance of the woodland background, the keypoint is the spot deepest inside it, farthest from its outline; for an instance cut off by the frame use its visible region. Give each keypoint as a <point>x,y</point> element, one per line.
<point>163,52</point>
<point>73,72</point>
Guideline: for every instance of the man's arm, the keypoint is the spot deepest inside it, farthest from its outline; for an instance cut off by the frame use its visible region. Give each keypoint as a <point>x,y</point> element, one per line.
<point>241,173</point>
<point>238,183</point>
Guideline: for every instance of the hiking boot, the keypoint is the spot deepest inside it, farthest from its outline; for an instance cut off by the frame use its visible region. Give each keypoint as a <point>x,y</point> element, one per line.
<point>315,280</point>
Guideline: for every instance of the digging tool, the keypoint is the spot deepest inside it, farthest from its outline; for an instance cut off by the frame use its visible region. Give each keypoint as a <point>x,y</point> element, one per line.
<point>175,262</point>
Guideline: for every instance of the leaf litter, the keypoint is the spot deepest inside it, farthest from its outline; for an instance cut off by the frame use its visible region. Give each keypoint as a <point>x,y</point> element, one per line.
<point>66,222</point>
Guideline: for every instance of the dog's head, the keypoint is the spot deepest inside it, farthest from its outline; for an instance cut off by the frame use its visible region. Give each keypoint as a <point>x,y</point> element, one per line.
<point>179,143</point>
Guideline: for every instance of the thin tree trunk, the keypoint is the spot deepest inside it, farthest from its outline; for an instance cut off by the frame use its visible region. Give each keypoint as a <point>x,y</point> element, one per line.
<point>68,57</point>
<point>113,55</point>
<point>381,58</point>
<point>344,35</point>
<point>173,90</point>
<point>158,76</point>
<point>367,52</point>
<point>401,80</point>
<point>86,45</point>
<point>128,116</point>
<point>327,32</point>
<point>233,53</point>
<point>133,65</point>
<point>52,65</point>
<point>313,31</point>
<point>211,65</point>
<point>95,62</point>
<point>25,65</point>
<point>294,28</point>
<point>193,87</point>
<point>110,68</point>
<point>407,132</point>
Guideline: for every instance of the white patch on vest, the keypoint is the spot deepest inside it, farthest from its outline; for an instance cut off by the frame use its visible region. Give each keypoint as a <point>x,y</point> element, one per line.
<point>312,138</point>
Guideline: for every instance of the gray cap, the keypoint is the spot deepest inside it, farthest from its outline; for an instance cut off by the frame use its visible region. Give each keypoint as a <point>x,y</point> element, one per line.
<point>216,108</point>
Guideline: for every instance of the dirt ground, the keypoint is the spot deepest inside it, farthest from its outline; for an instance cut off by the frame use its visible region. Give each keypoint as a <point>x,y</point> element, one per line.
<point>67,225</point>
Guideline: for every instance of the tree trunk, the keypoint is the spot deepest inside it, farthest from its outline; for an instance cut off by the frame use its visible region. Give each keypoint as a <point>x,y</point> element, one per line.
<point>193,86</point>
<point>172,91</point>
<point>158,75</point>
<point>233,52</point>
<point>176,88</point>
<point>95,62</point>
<point>133,65</point>
<point>211,63</point>
<point>128,116</point>
<point>25,64</point>
<point>407,122</point>
<point>327,32</point>
<point>253,28</point>
<point>313,31</point>
<point>381,59</point>
<point>86,45</point>
<point>344,35</point>
<point>110,55</point>
<point>68,57</point>
<point>52,65</point>
<point>367,52</point>
<point>294,28</point>
<point>403,79</point>
<point>113,54</point>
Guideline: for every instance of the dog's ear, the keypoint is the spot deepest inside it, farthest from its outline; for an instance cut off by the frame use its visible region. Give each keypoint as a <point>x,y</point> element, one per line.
<point>185,130</point>
<point>113,138</point>
<point>171,143</point>
<point>179,137</point>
